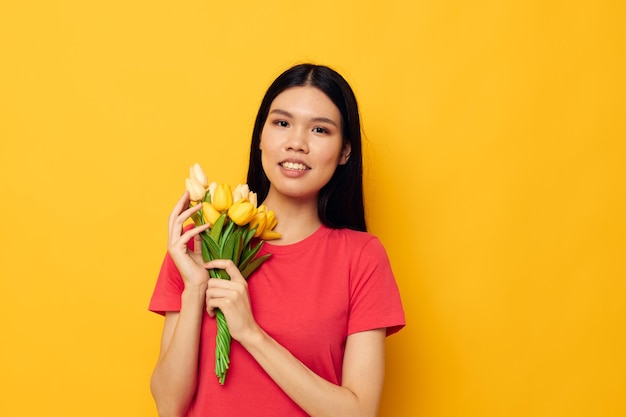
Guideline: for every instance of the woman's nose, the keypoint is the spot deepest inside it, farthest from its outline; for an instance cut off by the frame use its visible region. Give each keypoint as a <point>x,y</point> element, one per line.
<point>297,141</point>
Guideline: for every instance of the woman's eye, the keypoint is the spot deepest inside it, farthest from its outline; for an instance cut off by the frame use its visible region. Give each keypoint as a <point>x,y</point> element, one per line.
<point>320,130</point>
<point>281,123</point>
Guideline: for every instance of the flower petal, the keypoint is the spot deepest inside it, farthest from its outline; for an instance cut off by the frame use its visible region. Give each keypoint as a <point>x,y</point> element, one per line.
<point>196,190</point>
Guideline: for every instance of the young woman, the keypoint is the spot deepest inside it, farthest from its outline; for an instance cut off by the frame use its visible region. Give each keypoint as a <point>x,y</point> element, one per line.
<point>309,325</point>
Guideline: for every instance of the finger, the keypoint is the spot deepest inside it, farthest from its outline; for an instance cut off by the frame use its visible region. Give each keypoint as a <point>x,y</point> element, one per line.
<point>212,303</point>
<point>228,266</point>
<point>182,202</point>
<point>222,299</point>
<point>173,226</point>
<point>193,232</point>
<point>178,218</point>
<point>189,211</point>
<point>221,287</point>
<point>185,214</point>
<point>181,242</point>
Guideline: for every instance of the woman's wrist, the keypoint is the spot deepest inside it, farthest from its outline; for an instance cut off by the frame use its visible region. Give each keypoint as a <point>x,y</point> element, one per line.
<point>253,338</point>
<point>194,293</point>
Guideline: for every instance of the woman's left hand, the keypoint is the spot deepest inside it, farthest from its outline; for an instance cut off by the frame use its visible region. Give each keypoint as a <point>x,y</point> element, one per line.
<point>232,298</point>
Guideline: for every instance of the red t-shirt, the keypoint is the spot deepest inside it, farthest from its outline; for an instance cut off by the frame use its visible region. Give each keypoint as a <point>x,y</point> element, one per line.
<point>308,296</point>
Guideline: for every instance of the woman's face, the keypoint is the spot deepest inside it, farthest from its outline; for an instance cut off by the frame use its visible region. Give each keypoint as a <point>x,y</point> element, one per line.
<point>301,142</point>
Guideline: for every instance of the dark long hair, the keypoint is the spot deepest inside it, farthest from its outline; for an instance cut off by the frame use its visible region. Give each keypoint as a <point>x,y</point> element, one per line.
<point>340,202</point>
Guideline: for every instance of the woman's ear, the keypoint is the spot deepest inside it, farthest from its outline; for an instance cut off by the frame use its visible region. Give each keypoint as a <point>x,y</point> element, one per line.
<point>345,154</point>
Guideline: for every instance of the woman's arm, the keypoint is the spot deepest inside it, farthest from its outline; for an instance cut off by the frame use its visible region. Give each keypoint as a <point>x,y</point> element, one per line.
<point>174,380</point>
<point>363,364</point>
<point>363,373</point>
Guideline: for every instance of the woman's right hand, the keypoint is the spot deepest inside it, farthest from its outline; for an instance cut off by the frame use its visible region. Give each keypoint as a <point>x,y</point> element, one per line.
<point>189,263</point>
<point>175,377</point>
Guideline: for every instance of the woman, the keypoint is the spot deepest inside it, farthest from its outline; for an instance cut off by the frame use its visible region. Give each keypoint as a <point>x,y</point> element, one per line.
<point>309,326</point>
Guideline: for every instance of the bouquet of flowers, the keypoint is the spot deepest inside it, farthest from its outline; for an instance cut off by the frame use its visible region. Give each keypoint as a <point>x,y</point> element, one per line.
<point>235,222</point>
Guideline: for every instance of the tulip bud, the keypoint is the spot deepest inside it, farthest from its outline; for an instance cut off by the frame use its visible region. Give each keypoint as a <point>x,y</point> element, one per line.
<point>222,197</point>
<point>271,221</point>
<point>258,221</point>
<point>209,213</point>
<point>195,171</point>
<point>240,191</point>
<point>211,190</point>
<point>252,198</point>
<point>269,235</point>
<point>241,212</point>
<point>196,190</point>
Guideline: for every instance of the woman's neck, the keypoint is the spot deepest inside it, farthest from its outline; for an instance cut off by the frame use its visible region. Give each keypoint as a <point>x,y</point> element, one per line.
<point>296,219</point>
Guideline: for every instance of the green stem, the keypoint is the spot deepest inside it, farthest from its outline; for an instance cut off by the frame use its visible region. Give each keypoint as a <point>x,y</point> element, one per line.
<point>222,347</point>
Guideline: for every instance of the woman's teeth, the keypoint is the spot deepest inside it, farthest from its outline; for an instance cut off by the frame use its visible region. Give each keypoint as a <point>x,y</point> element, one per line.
<point>294,166</point>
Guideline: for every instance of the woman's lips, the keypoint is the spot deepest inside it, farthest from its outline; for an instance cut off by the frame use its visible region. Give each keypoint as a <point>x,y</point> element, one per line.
<point>293,168</point>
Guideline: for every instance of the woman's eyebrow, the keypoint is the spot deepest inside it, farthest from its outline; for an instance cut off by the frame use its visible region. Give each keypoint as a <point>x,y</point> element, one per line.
<point>324,120</point>
<point>314,119</point>
<point>282,112</point>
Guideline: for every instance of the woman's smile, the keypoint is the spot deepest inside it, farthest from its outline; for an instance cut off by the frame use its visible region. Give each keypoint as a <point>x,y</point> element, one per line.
<point>295,166</point>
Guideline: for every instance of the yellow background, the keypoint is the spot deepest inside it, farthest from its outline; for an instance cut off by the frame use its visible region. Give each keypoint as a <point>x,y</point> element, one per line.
<point>494,176</point>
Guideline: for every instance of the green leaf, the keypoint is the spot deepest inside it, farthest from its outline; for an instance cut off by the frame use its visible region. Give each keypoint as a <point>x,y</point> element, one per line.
<point>197,218</point>
<point>222,274</point>
<point>216,230</point>
<point>248,255</point>
<point>248,237</point>
<point>238,245</point>
<point>205,250</point>
<point>226,234</point>
<point>252,266</point>
<point>213,249</point>
<point>231,246</point>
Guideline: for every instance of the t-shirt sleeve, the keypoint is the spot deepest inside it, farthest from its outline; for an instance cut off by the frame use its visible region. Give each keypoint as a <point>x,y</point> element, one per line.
<point>374,295</point>
<point>168,288</point>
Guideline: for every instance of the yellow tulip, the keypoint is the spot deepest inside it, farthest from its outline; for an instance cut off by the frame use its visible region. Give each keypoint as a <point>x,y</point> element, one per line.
<point>242,212</point>
<point>209,213</point>
<point>269,235</point>
<point>267,221</point>
<point>258,221</point>
<point>222,197</point>
<point>252,198</point>
<point>196,190</point>
<point>211,190</point>
<point>195,171</point>
<point>271,221</point>
<point>240,191</point>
